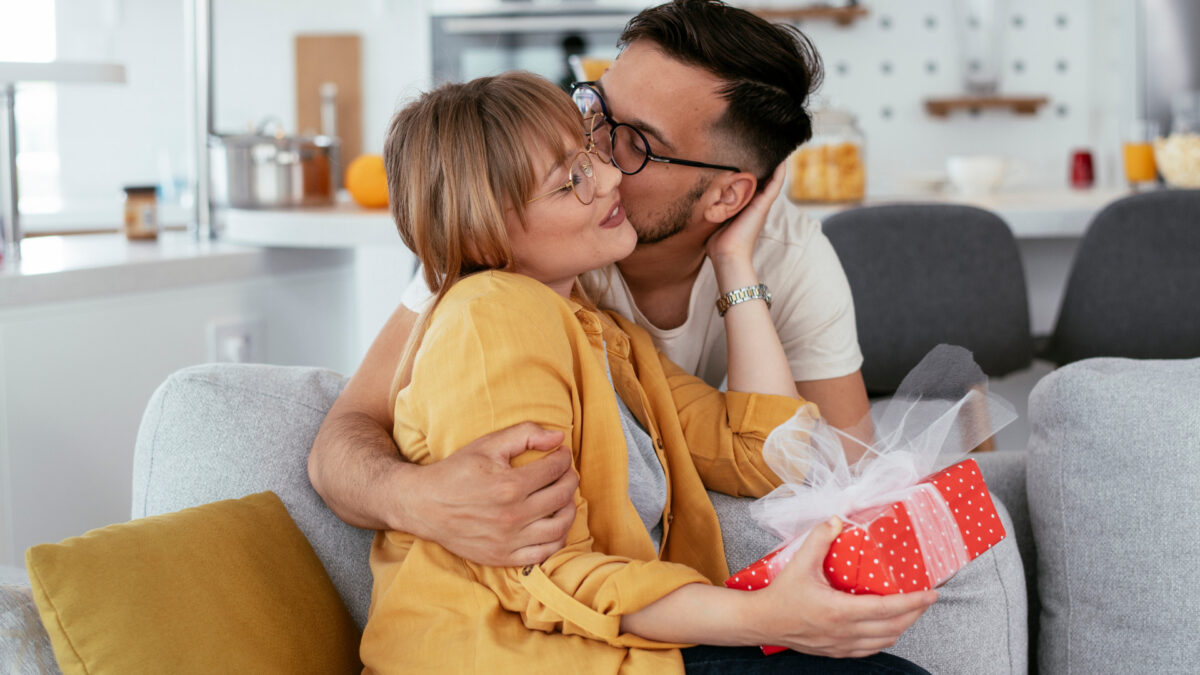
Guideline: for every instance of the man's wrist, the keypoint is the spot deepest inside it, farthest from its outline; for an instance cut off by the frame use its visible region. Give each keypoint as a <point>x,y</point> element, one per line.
<point>402,487</point>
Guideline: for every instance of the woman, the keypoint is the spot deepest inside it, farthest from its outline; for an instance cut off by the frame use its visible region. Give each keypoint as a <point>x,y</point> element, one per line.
<point>503,197</point>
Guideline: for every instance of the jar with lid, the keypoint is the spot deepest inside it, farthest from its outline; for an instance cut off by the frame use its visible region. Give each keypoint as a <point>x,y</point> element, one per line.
<point>831,167</point>
<point>1178,155</point>
<point>141,212</point>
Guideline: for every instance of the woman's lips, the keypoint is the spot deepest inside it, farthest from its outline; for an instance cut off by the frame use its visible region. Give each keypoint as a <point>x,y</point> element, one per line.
<point>615,217</point>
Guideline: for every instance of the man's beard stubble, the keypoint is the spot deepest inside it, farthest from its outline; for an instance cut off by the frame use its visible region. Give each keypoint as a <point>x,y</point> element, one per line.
<point>675,220</point>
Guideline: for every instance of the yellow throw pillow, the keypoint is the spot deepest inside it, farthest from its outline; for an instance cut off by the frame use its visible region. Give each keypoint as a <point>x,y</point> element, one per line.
<point>227,587</point>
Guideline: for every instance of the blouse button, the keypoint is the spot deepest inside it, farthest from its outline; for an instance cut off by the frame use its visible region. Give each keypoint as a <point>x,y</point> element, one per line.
<point>670,517</point>
<point>658,442</point>
<point>527,570</point>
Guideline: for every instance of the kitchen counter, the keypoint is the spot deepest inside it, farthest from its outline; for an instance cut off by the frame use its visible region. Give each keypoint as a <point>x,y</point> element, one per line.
<point>1032,214</point>
<point>55,269</point>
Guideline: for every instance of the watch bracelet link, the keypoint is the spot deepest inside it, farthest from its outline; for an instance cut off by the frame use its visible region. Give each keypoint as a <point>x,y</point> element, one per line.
<point>740,295</point>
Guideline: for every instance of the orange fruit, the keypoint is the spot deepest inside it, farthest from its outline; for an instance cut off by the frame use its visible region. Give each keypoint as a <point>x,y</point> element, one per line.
<point>367,181</point>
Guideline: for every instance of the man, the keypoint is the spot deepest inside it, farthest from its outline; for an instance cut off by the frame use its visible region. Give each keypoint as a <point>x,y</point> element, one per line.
<point>725,90</point>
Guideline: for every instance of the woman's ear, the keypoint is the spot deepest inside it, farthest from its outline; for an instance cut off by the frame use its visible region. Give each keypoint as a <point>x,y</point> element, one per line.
<point>729,195</point>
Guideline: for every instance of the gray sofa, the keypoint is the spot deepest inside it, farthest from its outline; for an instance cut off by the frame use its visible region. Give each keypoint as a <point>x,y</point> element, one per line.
<point>1102,510</point>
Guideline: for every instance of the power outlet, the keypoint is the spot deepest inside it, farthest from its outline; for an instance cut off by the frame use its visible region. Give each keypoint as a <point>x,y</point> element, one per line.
<point>237,340</point>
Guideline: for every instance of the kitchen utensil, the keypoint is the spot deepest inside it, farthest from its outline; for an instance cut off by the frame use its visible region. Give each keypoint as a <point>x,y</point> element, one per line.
<point>269,169</point>
<point>980,25</point>
<point>975,175</point>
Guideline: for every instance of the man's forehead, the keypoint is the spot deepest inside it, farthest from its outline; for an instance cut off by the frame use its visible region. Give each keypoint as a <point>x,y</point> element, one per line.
<point>649,89</point>
<point>645,81</point>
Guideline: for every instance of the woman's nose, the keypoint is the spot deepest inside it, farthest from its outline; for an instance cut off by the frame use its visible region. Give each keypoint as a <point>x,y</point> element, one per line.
<point>608,177</point>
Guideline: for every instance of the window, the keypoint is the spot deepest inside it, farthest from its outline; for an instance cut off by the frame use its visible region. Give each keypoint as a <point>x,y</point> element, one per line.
<point>27,33</point>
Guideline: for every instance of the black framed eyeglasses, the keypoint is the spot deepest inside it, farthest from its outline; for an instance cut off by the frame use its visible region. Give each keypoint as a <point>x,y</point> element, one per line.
<point>624,145</point>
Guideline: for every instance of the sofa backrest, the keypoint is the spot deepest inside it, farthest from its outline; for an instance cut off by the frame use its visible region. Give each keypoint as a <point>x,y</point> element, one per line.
<point>221,431</point>
<point>1113,474</point>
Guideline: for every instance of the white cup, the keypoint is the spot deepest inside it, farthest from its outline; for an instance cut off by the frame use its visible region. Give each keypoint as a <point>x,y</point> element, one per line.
<point>975,175</point>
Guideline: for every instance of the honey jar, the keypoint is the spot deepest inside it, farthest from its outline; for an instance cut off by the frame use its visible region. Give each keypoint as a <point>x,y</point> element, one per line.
<point>141,212</point>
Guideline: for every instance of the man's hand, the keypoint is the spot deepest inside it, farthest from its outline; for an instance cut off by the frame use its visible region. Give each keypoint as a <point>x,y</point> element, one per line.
<point>810,616</point>
<point>480,508</point>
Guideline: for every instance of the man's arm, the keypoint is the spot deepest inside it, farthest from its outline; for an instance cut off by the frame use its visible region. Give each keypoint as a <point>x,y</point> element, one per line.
<point>843,403</point>
<point>473,503</point>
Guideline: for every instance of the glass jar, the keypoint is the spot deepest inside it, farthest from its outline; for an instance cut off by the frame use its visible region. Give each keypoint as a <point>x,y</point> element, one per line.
<point>1178,155</point>
<point>141,212</point>
<point>831,167</point>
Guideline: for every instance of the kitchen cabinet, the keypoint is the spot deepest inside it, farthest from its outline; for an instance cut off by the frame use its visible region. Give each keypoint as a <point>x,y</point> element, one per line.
<point>90,325</point>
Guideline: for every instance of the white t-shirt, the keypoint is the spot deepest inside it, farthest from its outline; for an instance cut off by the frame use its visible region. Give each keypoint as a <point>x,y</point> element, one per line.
<point>810,304</point>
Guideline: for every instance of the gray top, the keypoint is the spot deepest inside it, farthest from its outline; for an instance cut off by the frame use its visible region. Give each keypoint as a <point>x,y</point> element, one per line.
<point>647,480</point>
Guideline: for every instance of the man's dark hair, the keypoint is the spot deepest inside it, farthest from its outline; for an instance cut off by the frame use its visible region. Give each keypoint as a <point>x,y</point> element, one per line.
<point>768,69</point>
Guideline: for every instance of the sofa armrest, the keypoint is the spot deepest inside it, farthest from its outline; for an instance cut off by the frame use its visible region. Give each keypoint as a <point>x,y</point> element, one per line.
<point>24,643</point>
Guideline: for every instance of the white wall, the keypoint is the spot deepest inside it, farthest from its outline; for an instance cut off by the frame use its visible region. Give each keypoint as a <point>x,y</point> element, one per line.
<point>75,377</point>
<point>116,135</point>
<point>1078,53</point>
<point>253,51</point>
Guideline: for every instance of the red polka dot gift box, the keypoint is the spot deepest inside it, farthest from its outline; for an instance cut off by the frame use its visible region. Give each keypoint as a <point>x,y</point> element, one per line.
<point>913,544</point>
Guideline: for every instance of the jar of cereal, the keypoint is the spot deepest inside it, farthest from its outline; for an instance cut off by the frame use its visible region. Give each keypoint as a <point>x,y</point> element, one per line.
<point>1178,155</point>
<point>830,167</point>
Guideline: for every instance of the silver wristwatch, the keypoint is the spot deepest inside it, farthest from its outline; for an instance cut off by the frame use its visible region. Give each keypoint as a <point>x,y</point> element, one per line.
<point>758,292</point>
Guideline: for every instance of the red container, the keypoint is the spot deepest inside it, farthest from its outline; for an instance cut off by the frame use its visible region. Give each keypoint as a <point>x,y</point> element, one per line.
<point>1083,173</point>
<point>885,556</point>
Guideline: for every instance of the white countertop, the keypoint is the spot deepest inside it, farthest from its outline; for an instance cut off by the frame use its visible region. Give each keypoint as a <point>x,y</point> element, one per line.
<point>1032,214</point>
<point>55,269</point>
<point>344,225</point>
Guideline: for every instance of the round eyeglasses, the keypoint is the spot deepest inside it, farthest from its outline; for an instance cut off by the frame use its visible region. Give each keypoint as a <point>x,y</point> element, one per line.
<point>581,179</point>
<point>624,145</point>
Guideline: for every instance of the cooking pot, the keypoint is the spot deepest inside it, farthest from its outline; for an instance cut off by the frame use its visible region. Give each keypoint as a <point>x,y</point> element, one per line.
<point>269,169</point>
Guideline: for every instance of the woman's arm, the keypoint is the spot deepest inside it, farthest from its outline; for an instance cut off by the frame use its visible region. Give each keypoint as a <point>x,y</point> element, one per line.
<point>500,341</point>
<point>799,610</point>
<point>474,503</point>
<point>757,362</point>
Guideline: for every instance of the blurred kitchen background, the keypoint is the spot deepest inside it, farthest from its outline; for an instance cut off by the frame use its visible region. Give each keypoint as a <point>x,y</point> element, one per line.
<point>113,288</point>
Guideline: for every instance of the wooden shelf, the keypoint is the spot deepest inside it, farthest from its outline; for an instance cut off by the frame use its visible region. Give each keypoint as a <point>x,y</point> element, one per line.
<point>842,16</point>
<point>1021,105</point>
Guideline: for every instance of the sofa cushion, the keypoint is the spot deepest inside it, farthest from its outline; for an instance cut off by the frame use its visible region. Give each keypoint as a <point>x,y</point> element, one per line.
<point>221,431</point>
<point>1112,475</point>
<point>227,587</point>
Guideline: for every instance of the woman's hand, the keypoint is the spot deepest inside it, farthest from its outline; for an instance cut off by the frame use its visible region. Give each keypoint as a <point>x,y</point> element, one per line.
<point>800,610</point>
<point>735,240</point>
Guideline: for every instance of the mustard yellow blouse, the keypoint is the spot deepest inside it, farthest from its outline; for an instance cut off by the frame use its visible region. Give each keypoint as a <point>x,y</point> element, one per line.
<point>501,349</point>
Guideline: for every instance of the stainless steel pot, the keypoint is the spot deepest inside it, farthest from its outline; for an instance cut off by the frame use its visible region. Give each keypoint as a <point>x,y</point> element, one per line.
<point>269,169</point>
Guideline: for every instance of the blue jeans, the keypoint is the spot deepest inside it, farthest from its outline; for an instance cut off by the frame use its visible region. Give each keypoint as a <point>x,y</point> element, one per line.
<point>705,660</point>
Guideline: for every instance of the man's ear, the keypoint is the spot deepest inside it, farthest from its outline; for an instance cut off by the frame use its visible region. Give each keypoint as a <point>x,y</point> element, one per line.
<point>728,195</point>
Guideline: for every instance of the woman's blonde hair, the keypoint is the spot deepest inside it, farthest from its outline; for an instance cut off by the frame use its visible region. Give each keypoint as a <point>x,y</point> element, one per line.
<point>456,159</point>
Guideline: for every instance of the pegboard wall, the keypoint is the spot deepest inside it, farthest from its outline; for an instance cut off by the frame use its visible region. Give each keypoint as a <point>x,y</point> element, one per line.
<point>1079,54</point>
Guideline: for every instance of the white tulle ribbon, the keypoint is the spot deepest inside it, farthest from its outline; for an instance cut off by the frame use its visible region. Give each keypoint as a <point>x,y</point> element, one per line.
<point>919,431</point>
